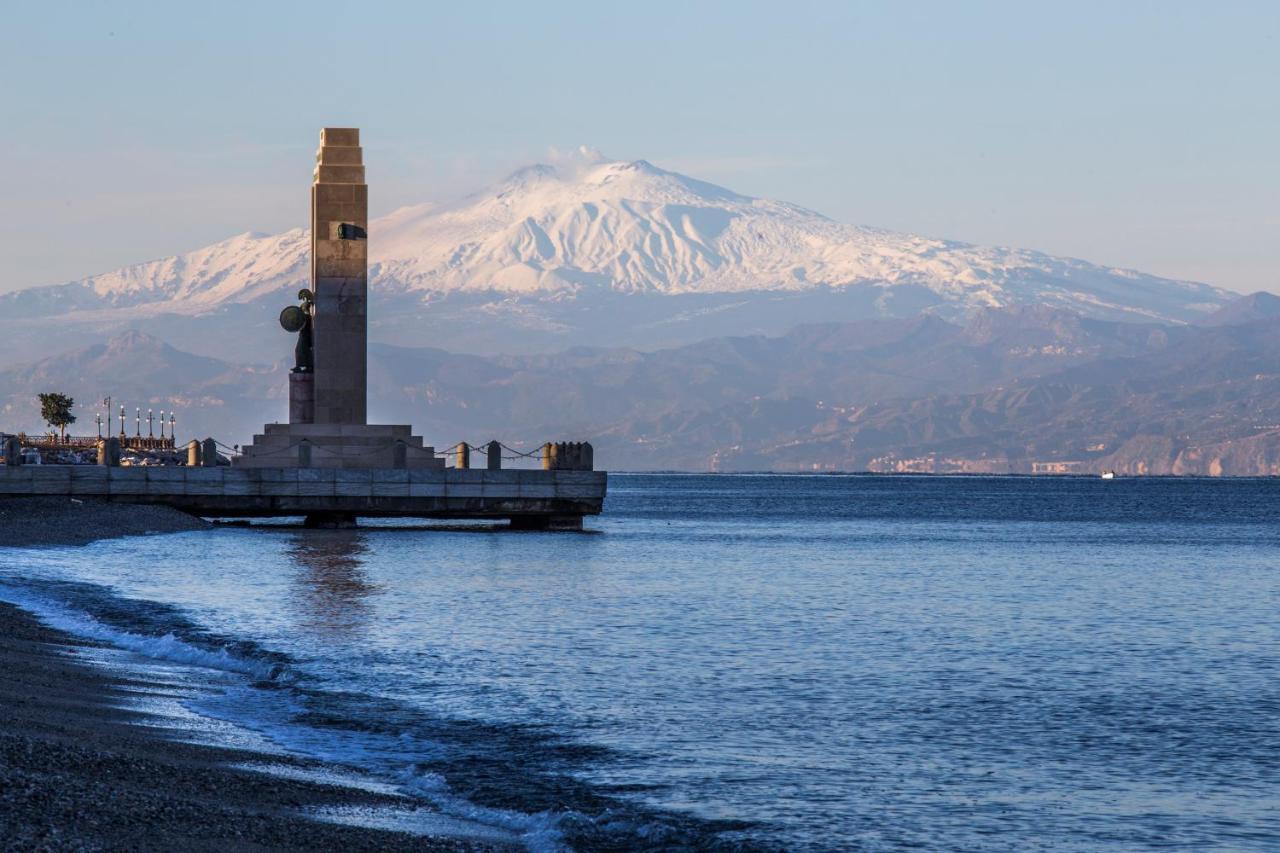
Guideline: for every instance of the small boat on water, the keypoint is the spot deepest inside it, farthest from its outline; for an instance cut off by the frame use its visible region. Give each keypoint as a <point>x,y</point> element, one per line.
<point>1108,475</point>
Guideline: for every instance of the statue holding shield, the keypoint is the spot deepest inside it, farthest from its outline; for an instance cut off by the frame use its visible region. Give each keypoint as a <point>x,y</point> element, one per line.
<point>297,319</point>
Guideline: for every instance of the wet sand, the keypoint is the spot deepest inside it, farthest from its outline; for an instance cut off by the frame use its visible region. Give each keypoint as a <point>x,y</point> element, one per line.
<point>76,772</point>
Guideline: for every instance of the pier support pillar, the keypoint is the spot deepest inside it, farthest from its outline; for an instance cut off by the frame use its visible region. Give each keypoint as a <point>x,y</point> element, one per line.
<point>546,522</point>
<point>193,453</point>
<point>330,520</point>
<point>494,452</point>
<point>209,453</point>
<point>463,459</point>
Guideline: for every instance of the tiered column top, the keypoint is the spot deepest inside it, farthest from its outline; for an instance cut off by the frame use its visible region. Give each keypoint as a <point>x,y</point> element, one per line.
<point>339,160</point>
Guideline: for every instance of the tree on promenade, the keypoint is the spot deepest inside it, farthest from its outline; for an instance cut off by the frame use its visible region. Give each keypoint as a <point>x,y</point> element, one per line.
<point>56,410</point>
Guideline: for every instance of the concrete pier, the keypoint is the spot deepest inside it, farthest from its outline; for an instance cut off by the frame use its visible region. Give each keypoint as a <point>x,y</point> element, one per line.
<point>528,499</point>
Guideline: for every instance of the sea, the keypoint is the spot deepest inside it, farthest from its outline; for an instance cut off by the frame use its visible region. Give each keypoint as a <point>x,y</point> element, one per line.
<point>731,662</point>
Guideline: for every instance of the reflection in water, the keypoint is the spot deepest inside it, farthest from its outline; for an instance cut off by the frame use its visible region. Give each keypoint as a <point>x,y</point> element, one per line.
<point>331,587</point>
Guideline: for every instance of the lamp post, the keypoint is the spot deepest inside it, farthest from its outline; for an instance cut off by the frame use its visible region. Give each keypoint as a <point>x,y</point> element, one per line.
<point>123,435</point>
<point>138,428</point>
<point>151,433</point>
<point>172,421</point>
<point>99,417</point>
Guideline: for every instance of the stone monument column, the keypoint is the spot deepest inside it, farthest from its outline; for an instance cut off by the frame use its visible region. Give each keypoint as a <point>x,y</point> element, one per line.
<point>328,420</point>
<point>340,278</point>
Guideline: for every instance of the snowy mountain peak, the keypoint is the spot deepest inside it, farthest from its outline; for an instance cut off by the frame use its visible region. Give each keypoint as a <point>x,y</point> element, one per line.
<point>238,269</point>
<point>584,224</point>
<point>578,180</point>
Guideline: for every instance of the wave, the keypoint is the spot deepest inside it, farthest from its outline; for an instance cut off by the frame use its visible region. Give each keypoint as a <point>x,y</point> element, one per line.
<point>170,646</point>
<point>76,609</point>
<point>520,783</point>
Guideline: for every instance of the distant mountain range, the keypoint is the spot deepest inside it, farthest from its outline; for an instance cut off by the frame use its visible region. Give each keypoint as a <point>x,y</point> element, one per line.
<point>1011,389</point>
<point>594,253</point>
<point>681,325</point>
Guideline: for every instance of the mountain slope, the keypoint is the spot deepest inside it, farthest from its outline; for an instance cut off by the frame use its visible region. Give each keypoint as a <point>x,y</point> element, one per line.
<point>140,371</point>
<point>599,251</point>
<point>1007,388</point>
<point>635,228</point>
<point>1208,405</point>
<point>1246,309</point>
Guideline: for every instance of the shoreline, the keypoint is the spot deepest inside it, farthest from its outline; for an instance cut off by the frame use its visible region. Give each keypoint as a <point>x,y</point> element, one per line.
<point>78,771</point>
<point>50,521</point>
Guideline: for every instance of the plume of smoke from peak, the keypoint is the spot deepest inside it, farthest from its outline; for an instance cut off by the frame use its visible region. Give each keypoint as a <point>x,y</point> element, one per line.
<point>574,160</point>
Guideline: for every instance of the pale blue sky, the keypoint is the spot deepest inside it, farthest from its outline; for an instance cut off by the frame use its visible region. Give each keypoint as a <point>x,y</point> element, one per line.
<point>1136,134</point>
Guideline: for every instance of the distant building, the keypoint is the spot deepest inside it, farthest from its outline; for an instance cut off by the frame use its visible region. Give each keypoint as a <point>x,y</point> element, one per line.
<point>1056,467</point>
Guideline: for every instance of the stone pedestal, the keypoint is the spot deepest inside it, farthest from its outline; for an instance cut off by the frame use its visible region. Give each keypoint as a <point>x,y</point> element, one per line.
<point>338,446</point>
<point>302,399</point>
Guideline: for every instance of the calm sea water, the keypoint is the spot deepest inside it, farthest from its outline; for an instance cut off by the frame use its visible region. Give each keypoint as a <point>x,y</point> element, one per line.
<point>753,662</point>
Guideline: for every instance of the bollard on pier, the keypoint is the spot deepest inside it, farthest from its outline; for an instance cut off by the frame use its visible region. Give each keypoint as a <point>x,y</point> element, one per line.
<point>12,451</point>
<point>109,451</point>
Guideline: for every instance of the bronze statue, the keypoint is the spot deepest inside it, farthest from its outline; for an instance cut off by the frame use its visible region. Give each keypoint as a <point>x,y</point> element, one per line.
<point>297,318</point>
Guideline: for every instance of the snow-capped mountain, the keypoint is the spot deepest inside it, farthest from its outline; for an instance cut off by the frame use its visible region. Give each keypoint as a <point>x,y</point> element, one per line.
<point>601,251</point>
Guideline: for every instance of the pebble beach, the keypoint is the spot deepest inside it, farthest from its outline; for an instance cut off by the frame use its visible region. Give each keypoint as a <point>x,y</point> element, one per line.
<point>80,771</point>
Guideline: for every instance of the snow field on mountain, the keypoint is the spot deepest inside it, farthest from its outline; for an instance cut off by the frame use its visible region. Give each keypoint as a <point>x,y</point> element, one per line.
<point>632,228</point>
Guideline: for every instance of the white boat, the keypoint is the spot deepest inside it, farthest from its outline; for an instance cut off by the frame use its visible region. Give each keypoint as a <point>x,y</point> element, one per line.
<point>1108,475</point>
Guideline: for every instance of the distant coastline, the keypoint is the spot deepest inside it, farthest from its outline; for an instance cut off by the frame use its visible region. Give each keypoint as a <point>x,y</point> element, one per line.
<point>942,474</point>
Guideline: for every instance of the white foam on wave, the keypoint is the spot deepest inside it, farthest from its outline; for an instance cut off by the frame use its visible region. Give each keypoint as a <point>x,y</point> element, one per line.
<point>538,832</point>
<point>168,647</point>
<point>413,820</point>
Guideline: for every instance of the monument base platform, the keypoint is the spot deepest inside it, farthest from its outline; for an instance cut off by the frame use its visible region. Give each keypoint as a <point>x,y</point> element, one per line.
<point>343,446</point>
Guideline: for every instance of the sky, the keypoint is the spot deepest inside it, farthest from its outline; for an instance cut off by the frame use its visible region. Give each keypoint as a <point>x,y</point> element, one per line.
<point>1142,135</point>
